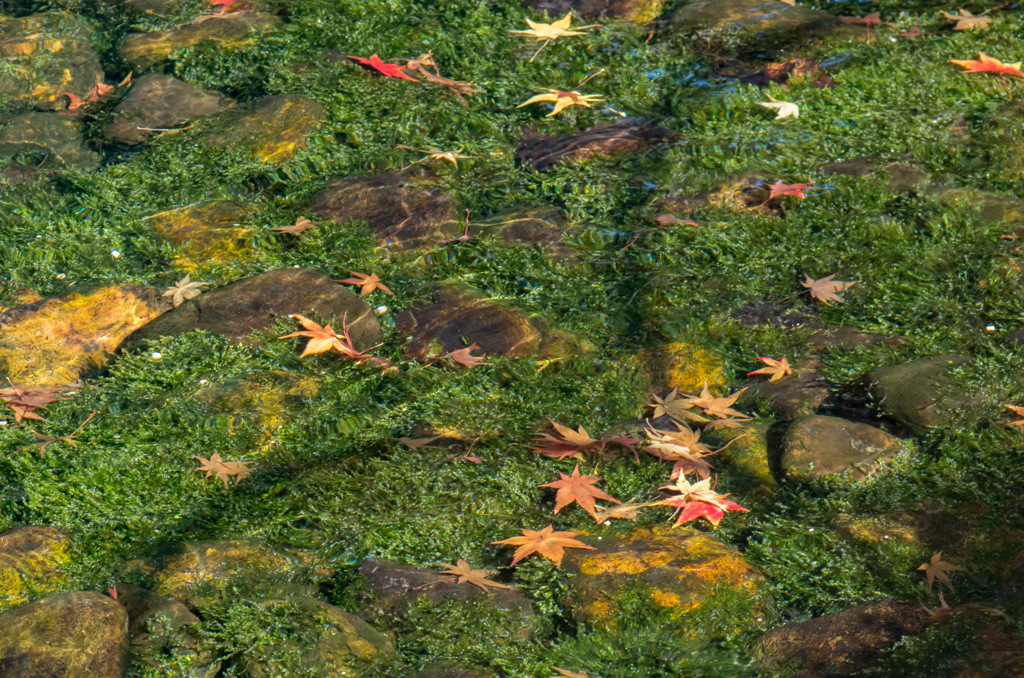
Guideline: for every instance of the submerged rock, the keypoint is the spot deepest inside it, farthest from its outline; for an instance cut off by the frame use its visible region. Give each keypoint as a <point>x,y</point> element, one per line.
<point>71,635</point>
<point>47,140</point>
<point>603,141</point>
<point>32,561</point>
<point>818,446</point>
<point>840,643</point>
<point>160,102</point>
<point>403,209</point>
<point>637,11</point>
<point>255,304</point>
<point>143,50</point>
<point>678,566</point>
<point>846,338</point>
<point>749,24</point>
<point>462,316</point>
<point>685,367</point>
<point>209,234</point>
<point>525,226</point>
<point>59,339</point>
<point>271,128</point>
<point>797,394</point>
<point>922,393</point>
<point>747,461</point>
<point>45,57</point>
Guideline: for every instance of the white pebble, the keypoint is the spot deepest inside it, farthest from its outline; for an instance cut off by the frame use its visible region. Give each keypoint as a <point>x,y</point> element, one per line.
<point>380,310</point>
<point>115,254</point>
<point>157,356</point>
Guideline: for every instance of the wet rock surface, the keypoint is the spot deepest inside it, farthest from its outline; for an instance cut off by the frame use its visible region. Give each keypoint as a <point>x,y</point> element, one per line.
<point>603,141</point>
<point>922,393</point>
<point>160,102</point>
<point>255,304</point>
<point>273,129</point>
<point>143,50</point>
<point>817,446</point>
<point>637,11</point>
<point>47,140</point>
<point>209,234</point>
<point>32,562</point>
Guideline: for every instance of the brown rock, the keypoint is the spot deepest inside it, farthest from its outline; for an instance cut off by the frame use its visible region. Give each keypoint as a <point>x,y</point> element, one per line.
<point>775,312</point>
<point>255,304</point>
<point>143,50</point>
<point>603,141</point>
<point>922,393</point>
<point>525,226</point>
<point>791,396</point>
<point>210,234</point>
<point>446,669</point>
<point>680,567</point>
<point>403,209</point>
<point>160,102</point>
<point>61,338</point>
<point>47,140</point>
<point>840,643</point>
<point>637,11</point>
<point>750,23</point>
<point>817,446</point>
<point>271,128</point>
<point>461,317</point>
<point>71,635</point>
<point>846,338</point>
<point>32,562</point>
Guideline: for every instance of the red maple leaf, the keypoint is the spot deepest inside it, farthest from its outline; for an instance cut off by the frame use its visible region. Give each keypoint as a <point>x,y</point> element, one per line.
<point>390,70</point>
<point>780,189</point>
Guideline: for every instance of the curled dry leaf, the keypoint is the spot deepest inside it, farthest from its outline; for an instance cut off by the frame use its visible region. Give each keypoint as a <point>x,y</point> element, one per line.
<point>25,400</point>
<point>826,290</point>
<point>621,512</point>
<point>547,543</point>
<point>301,224</point>
<point>562,100</point>
<point>783,109</point>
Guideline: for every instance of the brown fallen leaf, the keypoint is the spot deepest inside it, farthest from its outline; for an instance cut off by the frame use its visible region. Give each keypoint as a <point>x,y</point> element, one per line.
<point>621,512</point>
<point>827,290</point>
<point>579,489</point>
<point>45,440</point>
<point>675,407</point>
<point>465,357</point>
<point>224,469</point>
<point>777,368</point>
<point>184,290</point>
<point>301,224</point>
<point>369,283</point>
<point>564,442</point>
<point>720,408</point>
<point>936,568</point>
<point>966,21</point>
<point>468,575</point>
<point>547,543</point>
<point>682,448</point>
<point>25,400</point>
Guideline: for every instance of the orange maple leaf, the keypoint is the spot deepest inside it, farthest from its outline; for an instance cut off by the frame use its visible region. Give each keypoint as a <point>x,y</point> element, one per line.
<point>547,543</point>
<point>369,283</point>
<point>321,339</point>
<point>986,64</point>
<point>777,368</point>
<point>780,189</point>
<point>465,357</point>
<point>579,489</point>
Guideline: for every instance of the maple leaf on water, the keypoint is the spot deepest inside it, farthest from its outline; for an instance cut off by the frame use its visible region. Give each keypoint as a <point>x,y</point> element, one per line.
<point>565,442</point>
<point>184,289</point>
<point>579,489</point>
<point>323,339</point>
<point>936,568</point>
<point>681,447</point>
<point>826,290</point>
<point>1019,411</point>
<point>562,100</point>
<point>300,225</point>
<point>986,64</point>
<point>698,501</point>
<point>966,21</point>
<point>224,469</point>
<point>464,356</point>
<point>437,154</point>
<point>390,70</point>
<point>675,407</point>
<point>720,408</point>
<point>547,543</point>
<point>777,368</point>
<point>369,283</point>
<point>475,577</point>
<point>552,31</point>
<point>783,109</point>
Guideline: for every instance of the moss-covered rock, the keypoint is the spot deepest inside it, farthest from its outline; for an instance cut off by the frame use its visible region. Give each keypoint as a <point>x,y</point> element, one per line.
<point>525,226</point>
<point>679,567</point>
<point>637,11</point>
<point>49,140</point>
<point>818,446</point>
<point>798,394</point>
<point>923,393</point>
<point>208,234</point>
<point>144,50</point>
<point>61,338</point>
<point>404,209</point>
<point>255,304</point>
<point>159,102</point>
<point>685,367</point>
<point>45,57</point>
<point>748,24</point>
<point>603,141</point>
<point>462,316</point>
<point>840,643</point>
<point>272,128</point>
<point>32,562</point>
<point>71,635</point>
<point>749,469</point>
<point>846,338</point>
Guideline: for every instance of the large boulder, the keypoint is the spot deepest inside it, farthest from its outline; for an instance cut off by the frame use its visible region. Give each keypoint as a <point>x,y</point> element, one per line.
<point>817,446</point>
<point>922,393</point>
<point>255,304</point>
<point>32,562</point>
<point>158,102</point>
<point>57,340</point>
<point>71,635</point>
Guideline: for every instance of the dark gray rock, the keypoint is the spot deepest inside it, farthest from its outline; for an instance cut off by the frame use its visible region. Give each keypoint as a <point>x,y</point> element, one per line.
<point>922,393</point>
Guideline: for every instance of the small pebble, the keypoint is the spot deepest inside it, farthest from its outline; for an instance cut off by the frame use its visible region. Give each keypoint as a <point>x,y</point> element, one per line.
<point>115,254</point>
<point>157,356</point>
<point>380,310</point>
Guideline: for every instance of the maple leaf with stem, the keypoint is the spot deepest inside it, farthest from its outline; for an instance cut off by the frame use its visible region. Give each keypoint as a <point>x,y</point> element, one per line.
<point>579,489</point>
<point>437,154</point>
<point>369,283</point>
<point>777,368</point>
<point>562,100</point>
<point>936,568</point>
<point>720,408</point>
<point>966,21</point>
<point>224,469</point>
<point>323,339</point>
<point>986,64</point>
<point>45,440</point>
<point>184,289</point>
<point>874,19</point>
<point>698,501</point>
<point>464,356</point>
<point>1019,411</point>
<point>547,543</point>
<point>300,225</point>
<point>462,570</point>
<point>552,31</point>
<point>826,290</point>
<point>675,407</point>
<point>390,70</point>
<point>565,442</point>
<point>783,109</point>
<point>683,448</point>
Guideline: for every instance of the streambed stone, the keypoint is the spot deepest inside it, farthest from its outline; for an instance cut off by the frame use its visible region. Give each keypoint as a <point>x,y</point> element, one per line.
<point>160,102</point>
<point>748,24</point>
<point>636,11</point>
<point>61,338</point>
<point>255,304</point>
<point>71,635</point>
<point>45,57</point>
<point>797,394</point>
<point>272,129</point>
<point>143,50</point>
<point>922,393</point>
<point>684,366</point>
<point>603,141</point>
<point>47,140</point>
<point>32,561</point>
<point>211,234</point>
<point>526,226</point>
<point>817,446</point>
